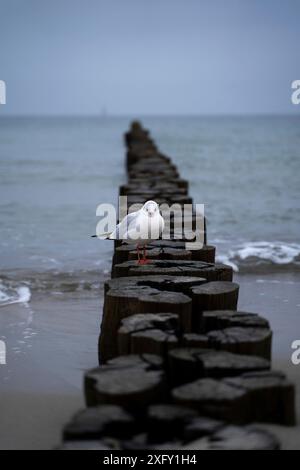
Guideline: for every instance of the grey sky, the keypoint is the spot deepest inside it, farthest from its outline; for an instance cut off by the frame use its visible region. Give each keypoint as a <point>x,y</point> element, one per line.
<point>149,57</point>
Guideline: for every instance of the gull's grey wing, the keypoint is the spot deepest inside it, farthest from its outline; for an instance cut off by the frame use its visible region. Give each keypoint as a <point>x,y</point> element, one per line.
<point>161,224</point>
<point>122,228</point>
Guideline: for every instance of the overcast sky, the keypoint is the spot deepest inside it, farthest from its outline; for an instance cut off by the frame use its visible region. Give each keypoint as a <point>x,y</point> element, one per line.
<point>149,56</point>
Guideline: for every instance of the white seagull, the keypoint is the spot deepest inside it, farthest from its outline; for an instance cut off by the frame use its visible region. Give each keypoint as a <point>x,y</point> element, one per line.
<point>142,227</point>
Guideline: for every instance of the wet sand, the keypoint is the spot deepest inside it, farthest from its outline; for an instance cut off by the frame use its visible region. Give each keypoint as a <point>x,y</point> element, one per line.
<point>33,421</point>
<point>53,340</point>
<point>277,297</point>
<point>49,343</point>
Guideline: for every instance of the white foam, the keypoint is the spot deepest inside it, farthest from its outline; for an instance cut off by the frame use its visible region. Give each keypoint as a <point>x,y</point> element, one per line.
<point>225,259</point>
<point>3,296</point>
<point>13,295</point>
<point>24,294</point>
<point>278,253</point>
<point>253,253</point>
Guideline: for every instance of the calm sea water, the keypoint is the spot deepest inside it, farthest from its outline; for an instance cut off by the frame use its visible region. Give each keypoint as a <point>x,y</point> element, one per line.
<point>55,171</point>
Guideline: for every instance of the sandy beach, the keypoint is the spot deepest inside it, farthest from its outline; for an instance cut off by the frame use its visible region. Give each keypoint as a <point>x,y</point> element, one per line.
<point>41,386</point>
<point>277,297</point>
<point>50,342</point>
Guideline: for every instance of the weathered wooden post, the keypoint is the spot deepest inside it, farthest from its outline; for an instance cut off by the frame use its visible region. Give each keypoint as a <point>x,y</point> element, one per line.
<point>178,361</point>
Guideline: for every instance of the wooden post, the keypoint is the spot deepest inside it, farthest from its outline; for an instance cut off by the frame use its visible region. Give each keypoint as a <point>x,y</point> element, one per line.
<point>181,367</point>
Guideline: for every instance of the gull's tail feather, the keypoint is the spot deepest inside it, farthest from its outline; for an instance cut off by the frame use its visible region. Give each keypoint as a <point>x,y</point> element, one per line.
<point>102,235</point>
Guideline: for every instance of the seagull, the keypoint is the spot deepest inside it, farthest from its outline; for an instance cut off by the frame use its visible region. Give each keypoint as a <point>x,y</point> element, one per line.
<point>142,227</point>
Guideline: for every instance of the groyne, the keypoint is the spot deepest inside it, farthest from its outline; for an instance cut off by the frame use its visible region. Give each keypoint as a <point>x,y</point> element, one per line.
<point>180,366</point>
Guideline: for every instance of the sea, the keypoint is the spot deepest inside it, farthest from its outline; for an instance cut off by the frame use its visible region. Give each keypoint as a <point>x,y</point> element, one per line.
<point>55,171</point>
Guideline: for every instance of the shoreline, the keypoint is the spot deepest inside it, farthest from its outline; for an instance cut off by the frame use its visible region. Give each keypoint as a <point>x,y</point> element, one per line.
<point>50,342</point>
<point>44,387</point>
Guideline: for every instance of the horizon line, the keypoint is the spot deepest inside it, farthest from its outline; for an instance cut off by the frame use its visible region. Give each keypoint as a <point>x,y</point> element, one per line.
<point>147,115</point>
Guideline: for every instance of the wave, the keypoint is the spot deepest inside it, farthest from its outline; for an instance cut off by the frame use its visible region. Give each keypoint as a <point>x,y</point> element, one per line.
<point>13,294</point>
<point>263,257</point>
<point>17,286</point>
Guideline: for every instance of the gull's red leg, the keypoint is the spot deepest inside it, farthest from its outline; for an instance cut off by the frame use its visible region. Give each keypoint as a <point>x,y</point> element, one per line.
<point>145,260</point>
<point>139,260</point>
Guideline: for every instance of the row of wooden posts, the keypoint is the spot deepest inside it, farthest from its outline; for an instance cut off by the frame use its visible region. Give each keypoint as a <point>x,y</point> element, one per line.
<point>180,366</point>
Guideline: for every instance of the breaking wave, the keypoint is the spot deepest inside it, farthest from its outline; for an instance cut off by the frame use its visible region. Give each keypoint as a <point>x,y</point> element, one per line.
<point>12,294</point>
<point>18,286</point>
<point>263,257</point>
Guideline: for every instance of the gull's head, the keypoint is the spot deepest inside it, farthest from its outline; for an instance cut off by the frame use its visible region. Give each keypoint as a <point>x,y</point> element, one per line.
<point>151,208</point>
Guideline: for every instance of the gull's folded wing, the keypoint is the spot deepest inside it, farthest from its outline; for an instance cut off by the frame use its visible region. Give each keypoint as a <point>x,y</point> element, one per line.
<point>122,228</point>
